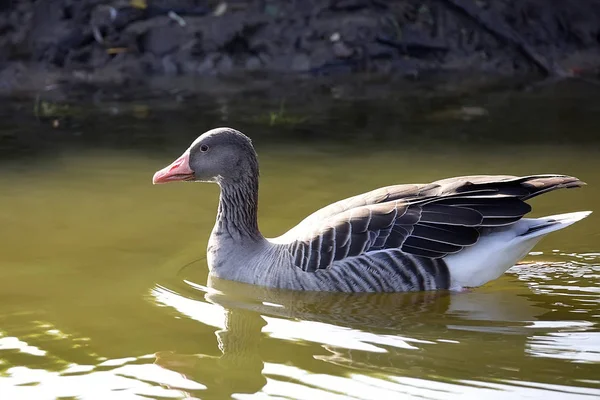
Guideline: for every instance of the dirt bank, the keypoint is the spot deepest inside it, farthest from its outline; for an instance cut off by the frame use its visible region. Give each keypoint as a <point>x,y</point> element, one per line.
<point>48,42</point>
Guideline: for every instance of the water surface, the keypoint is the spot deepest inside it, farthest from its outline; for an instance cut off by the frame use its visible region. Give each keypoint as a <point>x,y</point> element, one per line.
<point>103,282</point>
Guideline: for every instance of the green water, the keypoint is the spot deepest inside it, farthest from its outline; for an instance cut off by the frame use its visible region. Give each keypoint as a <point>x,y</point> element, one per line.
<point>103,281</point>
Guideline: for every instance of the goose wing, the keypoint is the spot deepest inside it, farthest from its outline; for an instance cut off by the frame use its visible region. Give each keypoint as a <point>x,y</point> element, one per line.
<point>428,220</point>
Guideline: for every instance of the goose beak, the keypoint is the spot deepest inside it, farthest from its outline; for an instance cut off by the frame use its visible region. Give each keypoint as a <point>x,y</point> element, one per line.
<point>178,170</point>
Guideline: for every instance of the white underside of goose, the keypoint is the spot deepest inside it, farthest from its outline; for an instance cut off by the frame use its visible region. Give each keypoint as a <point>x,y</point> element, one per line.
<point>501,249</point>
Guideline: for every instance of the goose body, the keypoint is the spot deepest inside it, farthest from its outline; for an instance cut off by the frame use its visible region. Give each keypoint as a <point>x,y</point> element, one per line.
<point>448,234</point>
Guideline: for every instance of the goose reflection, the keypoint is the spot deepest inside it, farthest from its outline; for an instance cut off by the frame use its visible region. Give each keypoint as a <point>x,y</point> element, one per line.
<point>373,332</point>
<point>238,368</point>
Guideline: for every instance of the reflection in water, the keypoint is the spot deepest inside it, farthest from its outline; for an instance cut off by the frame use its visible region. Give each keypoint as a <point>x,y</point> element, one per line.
<point>128,382</point>
<point>60,367</point>
<point>238,369</point>
<point>380,338</point>
<point>573,346</point>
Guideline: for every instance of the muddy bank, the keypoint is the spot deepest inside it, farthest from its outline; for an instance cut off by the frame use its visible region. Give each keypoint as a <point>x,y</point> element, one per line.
<point>128,44</point>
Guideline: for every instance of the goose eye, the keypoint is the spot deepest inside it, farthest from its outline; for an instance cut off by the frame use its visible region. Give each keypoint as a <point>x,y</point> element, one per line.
<point>204,148</point>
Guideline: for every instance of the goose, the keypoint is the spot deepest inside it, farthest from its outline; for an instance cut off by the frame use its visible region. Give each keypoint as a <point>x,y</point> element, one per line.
<point>451,234</point>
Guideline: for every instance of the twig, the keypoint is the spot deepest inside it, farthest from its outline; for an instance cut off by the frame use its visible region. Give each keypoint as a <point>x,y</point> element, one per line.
<point>499,28</point>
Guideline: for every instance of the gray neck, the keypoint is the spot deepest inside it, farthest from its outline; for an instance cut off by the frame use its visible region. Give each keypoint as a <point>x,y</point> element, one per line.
<point>237,215</point>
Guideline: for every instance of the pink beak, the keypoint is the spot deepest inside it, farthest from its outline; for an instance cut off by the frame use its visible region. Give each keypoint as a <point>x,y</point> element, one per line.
<point>179,170</point>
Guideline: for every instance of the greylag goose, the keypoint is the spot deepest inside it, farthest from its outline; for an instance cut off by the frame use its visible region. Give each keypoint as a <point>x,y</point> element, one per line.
<point>454,233</point>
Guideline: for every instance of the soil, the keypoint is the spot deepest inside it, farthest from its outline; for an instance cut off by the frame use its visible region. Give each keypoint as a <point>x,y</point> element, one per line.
<point>45,43</point>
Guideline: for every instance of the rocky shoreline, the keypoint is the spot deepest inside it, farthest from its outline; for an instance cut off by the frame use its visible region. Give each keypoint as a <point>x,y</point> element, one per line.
<point>127,44</point>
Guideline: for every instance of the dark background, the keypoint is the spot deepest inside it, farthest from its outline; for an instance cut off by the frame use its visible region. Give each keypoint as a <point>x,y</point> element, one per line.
<point>125,43</point>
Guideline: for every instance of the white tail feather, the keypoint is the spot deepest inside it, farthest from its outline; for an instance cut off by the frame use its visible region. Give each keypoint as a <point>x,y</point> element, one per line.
<point>500,249</point>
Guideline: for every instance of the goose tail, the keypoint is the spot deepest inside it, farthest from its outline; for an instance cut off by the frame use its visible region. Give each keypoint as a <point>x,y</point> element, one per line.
<point>536,227</point>
<point>500,249</point>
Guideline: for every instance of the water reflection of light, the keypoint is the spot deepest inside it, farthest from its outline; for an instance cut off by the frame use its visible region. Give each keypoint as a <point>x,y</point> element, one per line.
<point>120,381</point>
<point>156,373</point>
<point>317,332</point>
<point>575,346</point>
<point>128,382</point>
<point>284,379</point>
<point>209,314</point>
<point>489,311</point>
<point>554,288</point>
<point>583,325</point>
<point>13,343</point>
<point>328,334</point>
<point>116,362</point>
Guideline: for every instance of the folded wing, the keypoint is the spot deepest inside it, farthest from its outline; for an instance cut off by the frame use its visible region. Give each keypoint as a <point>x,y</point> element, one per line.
<point>428,220</point>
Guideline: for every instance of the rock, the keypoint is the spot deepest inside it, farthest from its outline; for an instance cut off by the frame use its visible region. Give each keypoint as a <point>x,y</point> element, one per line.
<point>400,38</point>
<point>300,62</point>
<point>321,54</point>
<point>341,49</point>
<point>207,66</point>
<point>225,64</point>
<point>280,63</point>
<point>165,39</point>
<point>98,57</point>
<point>10,75</point>
<point>216,32</point>
<point>169,66</point>
<point>253,63</point>
<point>189,67</point>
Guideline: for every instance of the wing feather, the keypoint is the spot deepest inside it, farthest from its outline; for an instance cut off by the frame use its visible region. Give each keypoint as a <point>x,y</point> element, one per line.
<point>422,252</point>
<point>450,215</point>
<point>431,245</point>
<point>456,235</point>
<point>426,220</point>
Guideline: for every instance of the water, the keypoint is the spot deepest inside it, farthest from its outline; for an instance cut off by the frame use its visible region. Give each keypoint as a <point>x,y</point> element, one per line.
<point>103,282</point>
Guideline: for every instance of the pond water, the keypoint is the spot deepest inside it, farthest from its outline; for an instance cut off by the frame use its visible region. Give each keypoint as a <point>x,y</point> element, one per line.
<point>104,292</point>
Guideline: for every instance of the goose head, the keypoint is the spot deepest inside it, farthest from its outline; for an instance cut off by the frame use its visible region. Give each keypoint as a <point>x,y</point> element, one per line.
<point>221,155</point>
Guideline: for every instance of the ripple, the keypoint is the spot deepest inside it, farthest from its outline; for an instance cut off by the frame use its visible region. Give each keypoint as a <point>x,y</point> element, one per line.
<point>283,380</point>
<point>581,347</point>
<point>13,343</point>
<point>125,382</point>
